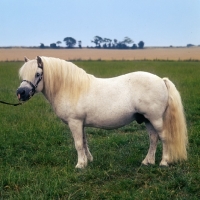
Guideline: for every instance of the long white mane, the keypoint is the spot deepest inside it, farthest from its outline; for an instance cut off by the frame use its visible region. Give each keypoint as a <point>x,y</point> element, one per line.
<point>66,77</point>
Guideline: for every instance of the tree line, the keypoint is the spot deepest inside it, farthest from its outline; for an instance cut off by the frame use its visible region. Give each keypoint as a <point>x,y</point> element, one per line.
<point>99,42</point>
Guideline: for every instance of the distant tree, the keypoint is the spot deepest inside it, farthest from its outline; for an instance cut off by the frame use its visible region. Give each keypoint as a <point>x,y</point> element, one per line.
<point>115,43</point>
<point>127,40</point>
<point>107,42</point>
<point>97,40</point>
<point>58,43</point>
<point>134,46</point>
<point>141,44</point>
<point>123,44</point>
<point>53,45</point>
<point>190,45</point>
<point>42,46</point>
<point>105,46</point>
<point>70,42</point>
<point>80,44</point>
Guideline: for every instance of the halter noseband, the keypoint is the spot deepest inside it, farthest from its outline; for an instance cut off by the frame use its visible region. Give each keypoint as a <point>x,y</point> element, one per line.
<point>32,92</point>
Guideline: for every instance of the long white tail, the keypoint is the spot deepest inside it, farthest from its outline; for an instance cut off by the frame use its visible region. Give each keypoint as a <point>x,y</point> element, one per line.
<point>175,128</point>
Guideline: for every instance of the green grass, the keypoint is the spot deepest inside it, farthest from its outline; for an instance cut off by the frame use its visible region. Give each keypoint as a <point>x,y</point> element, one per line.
<point>37,154</point>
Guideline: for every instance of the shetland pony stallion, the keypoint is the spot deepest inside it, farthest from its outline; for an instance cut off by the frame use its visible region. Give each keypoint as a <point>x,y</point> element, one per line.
<point>82,100</point>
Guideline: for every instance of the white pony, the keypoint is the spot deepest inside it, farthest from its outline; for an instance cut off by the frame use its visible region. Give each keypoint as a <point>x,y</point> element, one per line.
<point>82,100</point>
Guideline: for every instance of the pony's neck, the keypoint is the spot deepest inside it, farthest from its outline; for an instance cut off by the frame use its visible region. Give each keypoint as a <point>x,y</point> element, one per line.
<point>65,79</point>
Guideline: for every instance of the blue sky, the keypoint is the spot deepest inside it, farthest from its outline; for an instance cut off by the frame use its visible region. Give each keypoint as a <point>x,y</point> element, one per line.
<point>156,22</point>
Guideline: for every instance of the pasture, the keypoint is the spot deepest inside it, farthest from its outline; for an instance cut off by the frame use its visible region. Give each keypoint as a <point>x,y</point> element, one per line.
<point>38,157</point>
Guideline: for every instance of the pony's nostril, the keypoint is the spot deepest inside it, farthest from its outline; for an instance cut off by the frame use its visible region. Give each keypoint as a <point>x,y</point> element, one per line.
<point>22,92</point>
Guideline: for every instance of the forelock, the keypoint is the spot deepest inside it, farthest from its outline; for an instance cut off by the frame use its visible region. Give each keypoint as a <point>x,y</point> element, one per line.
<point>28,70</point>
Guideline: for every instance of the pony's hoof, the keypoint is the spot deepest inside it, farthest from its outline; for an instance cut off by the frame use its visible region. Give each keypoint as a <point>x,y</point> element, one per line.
<point>148,162</point>
<point>164,163</point>
<point>90,158</point>
<point>145,163</point>
<point>80,166</point>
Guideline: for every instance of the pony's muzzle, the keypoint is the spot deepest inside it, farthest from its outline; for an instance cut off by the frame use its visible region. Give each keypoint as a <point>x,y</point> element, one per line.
<point>23,94</point>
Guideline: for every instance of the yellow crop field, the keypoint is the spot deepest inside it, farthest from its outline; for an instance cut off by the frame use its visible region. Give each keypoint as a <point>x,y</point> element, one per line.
<point>14,54</point>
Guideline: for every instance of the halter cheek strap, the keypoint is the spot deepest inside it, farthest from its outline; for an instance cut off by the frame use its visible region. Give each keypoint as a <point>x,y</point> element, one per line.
<point>34,86</point>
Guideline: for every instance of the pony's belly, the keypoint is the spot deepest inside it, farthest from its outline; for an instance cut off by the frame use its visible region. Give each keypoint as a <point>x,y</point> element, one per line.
<point>109,122</point>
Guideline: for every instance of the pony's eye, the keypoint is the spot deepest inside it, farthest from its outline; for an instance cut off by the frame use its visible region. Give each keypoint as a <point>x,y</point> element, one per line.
<point>37,75</point>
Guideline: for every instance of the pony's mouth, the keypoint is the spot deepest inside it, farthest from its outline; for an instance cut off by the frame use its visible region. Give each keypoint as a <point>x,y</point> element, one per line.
<point>21,99</point>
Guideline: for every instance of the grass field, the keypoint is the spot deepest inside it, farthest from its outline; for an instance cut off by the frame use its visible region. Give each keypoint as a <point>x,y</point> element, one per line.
<point>37,154</point>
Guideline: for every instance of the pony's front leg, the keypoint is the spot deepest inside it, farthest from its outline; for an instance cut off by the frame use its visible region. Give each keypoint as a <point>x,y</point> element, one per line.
<point>87,151</point>
<point>76,128</point>
<point>153,137</point>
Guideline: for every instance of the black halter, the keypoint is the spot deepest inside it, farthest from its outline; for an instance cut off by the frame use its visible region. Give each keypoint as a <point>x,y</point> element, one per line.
<point>32,92</point>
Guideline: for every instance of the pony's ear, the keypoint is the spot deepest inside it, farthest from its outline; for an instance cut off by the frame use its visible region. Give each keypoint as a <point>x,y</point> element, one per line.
<point>26,59</point>
<point>39,61</point>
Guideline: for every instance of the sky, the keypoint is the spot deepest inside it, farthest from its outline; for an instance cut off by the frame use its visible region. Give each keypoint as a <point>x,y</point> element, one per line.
<point>155,22</point>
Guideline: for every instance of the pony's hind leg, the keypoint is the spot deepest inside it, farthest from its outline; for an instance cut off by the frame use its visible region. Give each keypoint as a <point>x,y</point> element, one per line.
<point>76,128</point>
<point>158,126</point>
<point>153,137</point>
<point>87,151</point>
<point>165,153</point>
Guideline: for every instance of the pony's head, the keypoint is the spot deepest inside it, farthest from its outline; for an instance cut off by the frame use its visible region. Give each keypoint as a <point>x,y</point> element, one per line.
<point>31,74</point>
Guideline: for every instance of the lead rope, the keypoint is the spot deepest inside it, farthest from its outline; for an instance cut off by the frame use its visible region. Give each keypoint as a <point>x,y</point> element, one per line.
<point>11,104</point>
